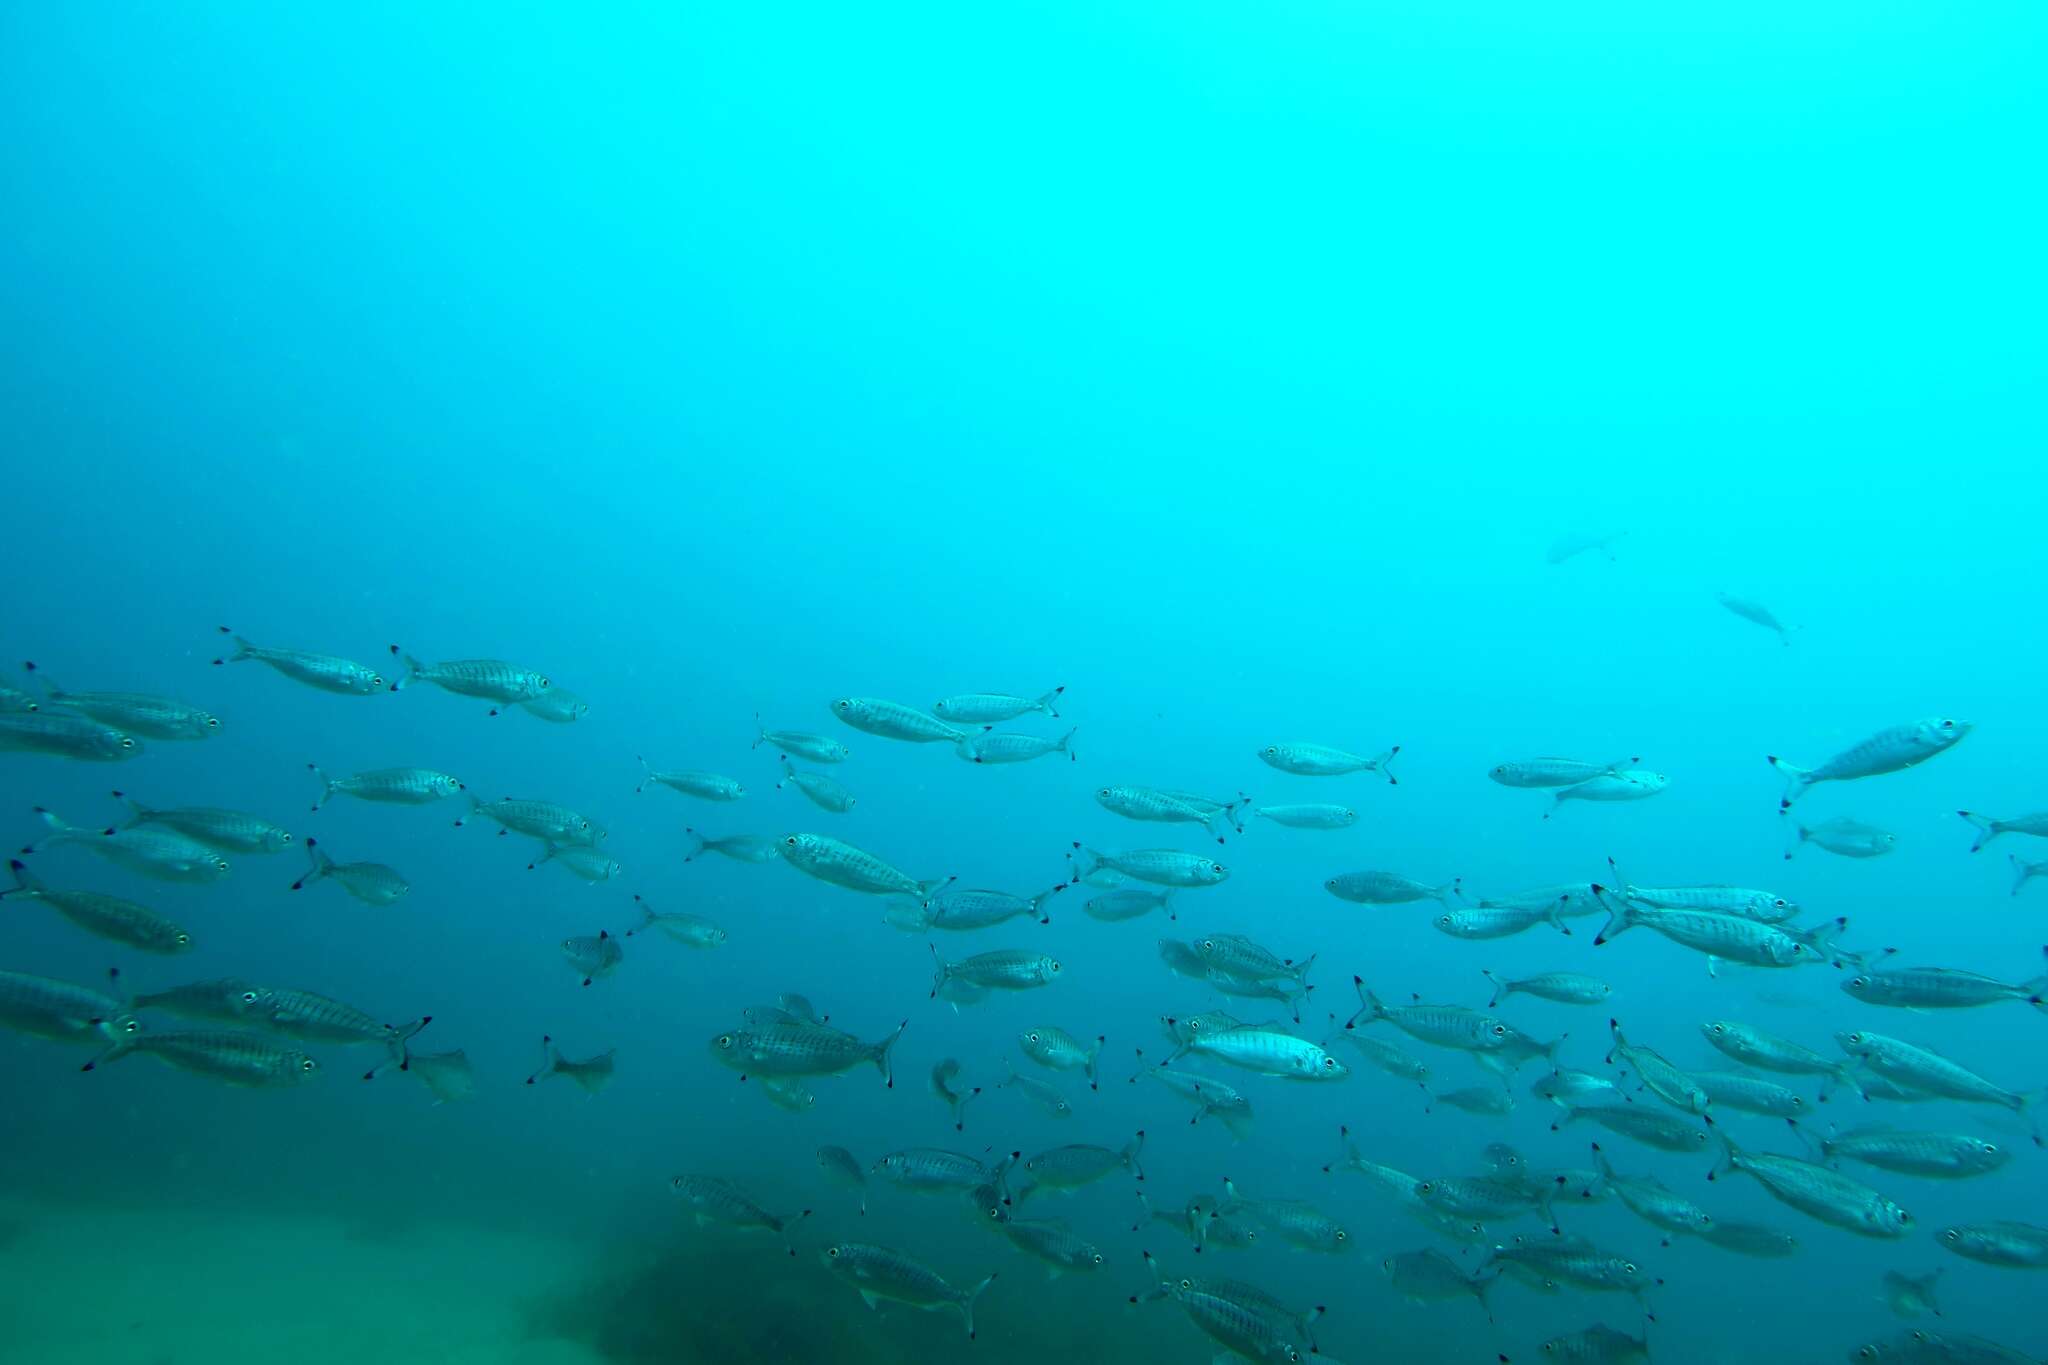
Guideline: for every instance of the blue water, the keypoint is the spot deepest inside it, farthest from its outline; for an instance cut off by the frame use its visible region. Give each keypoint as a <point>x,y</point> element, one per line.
<point>1234,368</point>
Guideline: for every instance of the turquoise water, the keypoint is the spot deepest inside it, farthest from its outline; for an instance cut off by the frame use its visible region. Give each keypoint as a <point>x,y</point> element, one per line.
<point>1235,368</point>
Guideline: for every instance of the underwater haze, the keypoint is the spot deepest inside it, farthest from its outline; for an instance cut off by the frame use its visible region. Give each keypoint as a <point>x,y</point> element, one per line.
<point>1289,384</point>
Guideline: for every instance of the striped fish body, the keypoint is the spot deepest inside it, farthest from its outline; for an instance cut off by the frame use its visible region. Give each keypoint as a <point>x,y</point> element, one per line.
<point>713,1200</point>
<point>1309,816</point>
<point>1926,1071</point>
<point>703,785</point>
<point>1940,988</point>
<point>1479,923</point>
<point>929,1169</point>
<point>1765,907</point>
<point>1114,907</point>
<point>323,671</point>
<point>64,735</point>
<point>1004,969</point>
<point>1387,888</point>
<point>136,713</point>
<point>1003,747</point>
<point>993,708</point>
<point>841,864</point>
<point>1241,1318</point>
<point>1270,1052</point>
<point>1767,1052</point>
<point>1651,1127</point>
<point>1750,1094</point>
<point>229,1000</point>
<point>252,1060</point>
<point>1730,937</point>
<point>1938,1156</point>
<point>62,1012</point>
<point>800,1049</point>
<point>1655,1071</point>
<point>893,720</point>
<point>314,1018</point>
<point>1446,1026</point>
<point>391,786</point>
<point>229,831</point>
<point>14,701</point>
<point>485,679</point>
<point>2019,1246</point>
<point>1549,772</point>
<point>448,1075</point>
<point>543,820</point>
<point>1159,866</point>
<point>816,748</point>
<point>1317,760</point>
<point>1145,803</point>
<point>1887,751</point>
<point>1236,955</point>
<point>162,854</point>
<point>880,1273</point>
<point>593,955</point>
<point>741,848</point>
<point>826,793</point>
<point>1051,1240</point>
<point>1821,1194</point>
<point>964,909</point>
<point>557,705</point>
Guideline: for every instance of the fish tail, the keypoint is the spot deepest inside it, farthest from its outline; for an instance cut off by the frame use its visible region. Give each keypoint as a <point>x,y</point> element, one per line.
<point>926,888</point>
<point>1095,1056</point>
<point>113,1052</point>
<point>1038,901</point>
<point>1087,863</point>
<point>1050,701</point>
<point>1730,1154</point>
<point>1234,812</point>
<point>1987,828</point>
<point>1451,893</point>
<point>1621,916</point>
<point>1800,834</point>
<point>2036,989</point>
<point>1384,766</point>
<point>1500,987</point>
<point>322,865</point>
<point>550,1060</point>
<point>882,1050</point>
<point>760,736</point>
<point>1130,1154</point>
<point>647,915</point>
<point>695,838</point>
<point>396,1043</point>
<point>2024,872</point>
<point>967,1303</point>
<point>414,669</point>
<point>1301,972</point>
<point>788,772</point>
<point>243,649</point>
<point>1065,746</point>
<point>61,831</point>
<point>24,880</point>
<point>1369,1006</point>
<point>326,785</point>
<point>1797,780</point>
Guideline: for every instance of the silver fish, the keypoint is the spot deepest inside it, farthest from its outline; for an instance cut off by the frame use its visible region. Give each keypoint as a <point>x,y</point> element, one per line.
<point>64,1013</point>
<point>841,864</point>
<point>392,786</point>
<point>370,883</point>
<point>1921,1347</point>
<point>14,701</point>
<point>323,671</point>
<point>992,708</point>
<point>1390,888</point>
<point>1387,1057</point>
<point>1311,816</point>
<point>788,1092</point>
<point>1114,907</point>
<point>1047,1098</point>
<point>1571,1261</point>
<point>1756,613</point>
<point>1600,1345</point>
<point>1159,866</point>
<point>1057,1050</point>
<point>1566,988</point>
<point>557,705</point>
<point>133,713</point>
<point>893,720</point>
<point>593,955</point>
<point>2024,872</point>
<point>692,931</point>
<point>1001,747</point>
<point>1574,900</point>
<point>1768,1052</point>
<point>1248,1323</point>
<point>448,1075</point>
<point>845,1169</point>
<point>162,854</point>
<point>963,908</point>
<point>824,792</point>
<point>802,1049</point>
<point>230,831</point>
<point>879,1273</point>
<point>1940,1156</point>
<point>1887,751</point>
<point>816,748</point>
<point>1478,923</point>
<point>491,680</point>
<point>1730,937</point>
<point>64,735</point>
<point>1927,1071</point>
<point>1628,784</point>
<point>1989,829</point>
<point>1652,1127</point>
<point>1819,1193</point>
<point>1429,1276</point>
<point>591,1073</point>
<point>1296,1222</point>
<point>1766,907</point>
<point>1210,1097</point>
<point>928,1170</point>
<point>741,848</point>
<point>1845,838</point>
<point>1543,773</point>
<point>1488,1100</point>
<point>1235,955</point>
<point>1750,1239</point>
<point>1267,1051</point>
<point>1447,1026</point>
<point>1749,1094</point>
<point>1941,988</point>
<point>1149,804</point>
<point>310,1018</point>
<point>1664,1080</point>
<point>229,1000</point>
<point>2018,1246</point>
<point>245,1059</point>
<point>109,917</point>
<point>546,821</point>
<point>581,860</point>
<point>1568,1089</point>
<point>1003,969</point>
<point>1052,1241</point>
<point>1078,1164</point>
<point>1649,1200</point>
<point>1316,760</point>
<point>714,1200</point>
<point>692,782</point>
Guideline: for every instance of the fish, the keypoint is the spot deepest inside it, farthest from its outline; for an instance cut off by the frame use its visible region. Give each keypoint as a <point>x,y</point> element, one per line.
<point>1910,1296</point>
<point>1429,1276</point>
<point>1479,923</point>
<point>1296,1222</point>
<point>2018,1246</point>
<point>1658,1075</point>
<point>161,854</point>
<point>63,1013</point>
<point>224,999</point>
<point>1199,1219</point>
<point>1927,1071</point>
<point>944,1074</point>
<point>1387,1057</point>
<point>880,1273</point>
<point>1749,1239</point>
<point>309,1018</point>
<point>133,713</point>
<point>692,782</point>
<point>1246,1321</point>
<point>741,848</point>
<point>823,792</point>
<point>1268,1051</point>
<point>1159,866</point>
<point>1941,988</point>
<point>1846,838</point>
<point>1768,1052</point>
<point>392,786</point>
<point>1989,829</point>
<point>712,1199</point>
<point>1488,1100</point>
<point>1921,1347</point>
<point>1657,1128</point>
<point>841,864</point>
<point>492,680</point>
<point>1446,1026</point>
<point>1182,960</point>
<point>1628,784</point>
<point>1543,773</point>
<point>448,1075</point>
<point>788,1092</point>
<point>692,931</point>
<point>1052,1241</point>
<point>585,862</point>
<point>1648,1199</point>
<point>1568,1089</point>
<point>998,746</point>
<point>592,1073</point>
<point>1486,1196</point>
<point>1057,1050</point>
<point>893,720</point>
<point>1565,988</point>
<point>1749,1094</point>
<point>1047,1098</point>
<point>107,917</point>
<point>14,701</point>
<point>1600,1344</point>
<point>1316,760</point>
<point>1574,900</point>
<point>229,831</point>
<point>963,909</point>
<point>593,955</point>
<point>1766,907</point>
<point>370,883</point>
<point>322,671</point>
<point>1002,969</point>
<point>1391,888</point>
<point>2024,872</point>
<point>844,1168</point>
<point>1816,1191</point>
<point>801,1048</point>
<point>1888,751</point>
<point>251,1060</point>
<point>1311,816</point>
<point>1571,1261</point>
<point>1077,1164</point>
<point>64,735</point>
<point>1237,956</point>
<point>1131,902</point>
<point>929,1170</point>
<point>557,705</point>
<point>1730,938</point>
<point>1939,1156</point>
<point>816,748</point>
<point>1756,613</point>
<point>547,821</point>
<point>993,708</point>
<point>1149,804</point>
<point>1209,1096</point>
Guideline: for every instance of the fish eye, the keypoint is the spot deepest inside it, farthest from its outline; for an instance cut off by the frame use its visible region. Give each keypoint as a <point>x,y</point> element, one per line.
<point>791,841</point>
<point>1103,792</point>
<point>1856,1038</point>
<point>308,1064</point>
<point>843,705</point>
<point>1990,1149</point>
<point>1859,983</point>
<point>1781,903</point>
<point>1798,1103</point>
<point>1867,1353</point>
<point>287,839</point>
<point>1031,1037</point>
<point>221,863</point>
<point>545,683</point>
<point>724,1040</point>
<point>1904,1218</point>
<point>1271,750</point>
<point>183,940</point>
<point>831,1251</point>
<point>1098,1258</point>
<point>248,997</point>
<point>1187,1284</point>
<point>376,680</point>
<point>1443,921</point>
<point>1500,1030</point>
<point>1341,1234</point>
<point>1425,1187</point>
<point>212,723</point>
<point>131,1026</point>
<point>1329,1063</point>
<point>1628,1267</point>
<point>1055,965</point>
<point>1209,943</point>
<point>1948,725</point>
<point>1720,1029</point>
<point>127,743</point>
